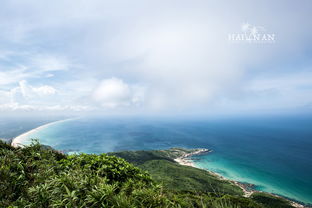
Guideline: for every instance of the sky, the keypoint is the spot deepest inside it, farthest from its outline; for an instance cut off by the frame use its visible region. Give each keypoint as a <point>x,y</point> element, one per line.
<point>155,57</point>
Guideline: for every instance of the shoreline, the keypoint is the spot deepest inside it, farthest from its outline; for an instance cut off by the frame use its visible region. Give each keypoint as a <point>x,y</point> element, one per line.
<point>185,159</point>
<point>247,189</point>
<point>18,141</point>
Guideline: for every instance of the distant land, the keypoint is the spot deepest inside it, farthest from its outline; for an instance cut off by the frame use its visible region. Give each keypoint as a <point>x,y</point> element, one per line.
<point>161,164</point>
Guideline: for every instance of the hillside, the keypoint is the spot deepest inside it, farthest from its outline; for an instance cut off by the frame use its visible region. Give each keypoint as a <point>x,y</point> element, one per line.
<point>162,167</point>
<point>36,176</point>
<point>175,177</point>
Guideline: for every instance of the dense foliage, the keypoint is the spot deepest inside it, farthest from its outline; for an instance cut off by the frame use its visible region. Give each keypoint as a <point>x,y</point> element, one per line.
<point>37,176</point>
<point>160,164</point>
<point>270,201</point>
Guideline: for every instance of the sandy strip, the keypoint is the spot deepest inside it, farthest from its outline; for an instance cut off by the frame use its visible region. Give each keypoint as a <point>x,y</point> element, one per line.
<point>18,141</point>
<point>186,158</point>
<point>183,161</point>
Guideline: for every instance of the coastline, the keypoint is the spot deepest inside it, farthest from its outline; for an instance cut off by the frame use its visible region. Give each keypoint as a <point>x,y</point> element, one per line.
<point>247,189</point>
<point>18,141</point>
<point>185,159</point>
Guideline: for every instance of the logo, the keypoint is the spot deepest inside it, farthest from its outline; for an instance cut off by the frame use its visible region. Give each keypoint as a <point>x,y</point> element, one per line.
<point>252,34</point>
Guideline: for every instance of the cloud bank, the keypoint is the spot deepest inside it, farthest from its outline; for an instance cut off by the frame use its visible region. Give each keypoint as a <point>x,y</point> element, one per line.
<point>154,57</point>
<point>113,93</point>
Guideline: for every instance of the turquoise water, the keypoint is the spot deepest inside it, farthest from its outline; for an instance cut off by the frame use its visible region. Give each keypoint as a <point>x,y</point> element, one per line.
<point>272,153</point>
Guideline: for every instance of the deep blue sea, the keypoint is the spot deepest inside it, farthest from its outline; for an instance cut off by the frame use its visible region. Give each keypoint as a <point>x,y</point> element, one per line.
<point>274,153</point>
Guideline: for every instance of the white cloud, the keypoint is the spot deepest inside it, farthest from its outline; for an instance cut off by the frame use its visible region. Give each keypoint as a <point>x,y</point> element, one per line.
<point>49,75</point>
<point>28,98</point>
<point>76,108</point>
<point>114,93</point>
<point>23,107</point>
<point>29,91</point>
<point>44,90</point>
<point>181,53</point>
<point>50,63</point>
<point>25,89</point>
<point>5,97</point>
<point>15,107</point>
<point>26,94</point>
<point>18,65</point>
<point>10,76</point>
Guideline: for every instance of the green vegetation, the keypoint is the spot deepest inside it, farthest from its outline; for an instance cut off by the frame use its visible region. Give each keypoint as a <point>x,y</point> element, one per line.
<point>37,176</point>
<point>162,167</point>
<point>268,200</point>
<point>140,157</point>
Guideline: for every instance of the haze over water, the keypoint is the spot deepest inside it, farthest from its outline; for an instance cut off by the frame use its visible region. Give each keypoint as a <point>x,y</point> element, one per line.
<point>272,153</point>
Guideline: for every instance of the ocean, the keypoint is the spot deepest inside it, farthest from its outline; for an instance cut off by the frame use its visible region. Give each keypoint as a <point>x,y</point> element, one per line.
<point>273,153</point>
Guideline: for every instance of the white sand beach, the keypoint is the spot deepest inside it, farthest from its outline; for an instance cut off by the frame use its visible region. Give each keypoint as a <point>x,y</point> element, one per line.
<point>19,140</point>
<point>186,160</point>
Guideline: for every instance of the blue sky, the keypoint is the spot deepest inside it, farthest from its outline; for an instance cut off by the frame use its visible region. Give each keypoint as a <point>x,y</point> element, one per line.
<point>154,57</point>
